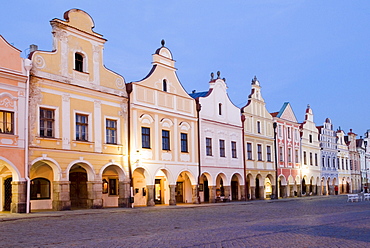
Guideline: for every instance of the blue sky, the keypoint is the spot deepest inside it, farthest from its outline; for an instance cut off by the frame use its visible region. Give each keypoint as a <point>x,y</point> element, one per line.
<point>303,52</point>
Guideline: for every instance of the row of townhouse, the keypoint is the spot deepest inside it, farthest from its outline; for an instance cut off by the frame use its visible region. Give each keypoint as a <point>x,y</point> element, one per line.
<point>74,134</point>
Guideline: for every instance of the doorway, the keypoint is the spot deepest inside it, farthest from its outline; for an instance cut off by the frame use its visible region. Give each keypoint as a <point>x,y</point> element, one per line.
<point>7,193</point>
<point>78,189</point>
<point>158,191</point>
<point>234,190</point>
<point>257,189</point>
<point>206,189</point>
<point>180,192</point>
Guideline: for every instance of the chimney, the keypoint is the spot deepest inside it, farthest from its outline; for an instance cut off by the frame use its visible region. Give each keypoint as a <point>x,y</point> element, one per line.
<point>33,48</point>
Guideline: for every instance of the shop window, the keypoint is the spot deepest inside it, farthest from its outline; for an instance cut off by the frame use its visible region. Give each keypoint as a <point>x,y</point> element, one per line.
<point>40,189</point>
<point>113,187</point>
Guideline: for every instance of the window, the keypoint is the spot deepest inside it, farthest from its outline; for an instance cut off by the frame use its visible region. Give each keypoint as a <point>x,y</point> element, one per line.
<point>79,61</point>
<point>81,127</point>
<point>165,140</point>
<point>347,164</point>
<point>249,151</point>
<point>111,131</point>
<point>281,156</point>
<point>338,163</point>
<point>220,109</point>
<point>258,127</point>
<point>164,85</point>
<point>145,137</point>
<point>259,152</point>
<point>334,166</point>
<point>233,149</point>
<point>268,152</point>
<point>310,138</point>
<point>328,165</point>
<point>113,187</point>
<point>311,163</point>
<point>46,122</point>
<point>222,148</point>
<point>323,161</point>
<point>279,131</point>
<point>304,157</point>
<point>288,132</point>
<point>209,146</point>
<point>289,155</point>
<point>184,142</point>
<point>6,122</point>
<point>316,162</point>
<point>342,163</point>
<point>40,189</point>
<point>296,156</point>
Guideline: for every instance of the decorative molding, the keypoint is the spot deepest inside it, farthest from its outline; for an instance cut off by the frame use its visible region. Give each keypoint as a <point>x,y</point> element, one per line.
<point>166,156</point>
<point>39,61</point>
<point>7,100</point>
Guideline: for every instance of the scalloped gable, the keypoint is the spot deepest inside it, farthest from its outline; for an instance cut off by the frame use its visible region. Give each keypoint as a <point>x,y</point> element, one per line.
<point>286,113</point>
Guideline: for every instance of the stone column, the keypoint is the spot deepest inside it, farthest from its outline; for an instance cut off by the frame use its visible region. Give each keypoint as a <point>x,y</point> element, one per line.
<point>242,193</point>
<point>283,191</point>
<point>172,194</point>
<point>212,194</point>
<point>19,197</point>
<point>227,190</point>
<point>262,192</point>
<point>61,197</point>
<point>324,190</point>
<point>273,193</point>
<point>94,194</point>
<point>194,191</point>
<point>291,191</point>
<point>150,193</point>
<point>124,200</point>
<point>307,189</point>
<point>253,193</point>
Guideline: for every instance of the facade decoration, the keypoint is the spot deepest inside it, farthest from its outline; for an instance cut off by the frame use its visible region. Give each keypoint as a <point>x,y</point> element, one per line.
<point>163,136</point>
<point>14,73</point>
<point>310,156</point>
<point>259,146</point>
<point>288,145</point>
<point>78,144</point>
<point>221,151</point>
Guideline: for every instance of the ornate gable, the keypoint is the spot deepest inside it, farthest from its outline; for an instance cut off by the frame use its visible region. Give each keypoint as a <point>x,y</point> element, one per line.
<point>287,113</point>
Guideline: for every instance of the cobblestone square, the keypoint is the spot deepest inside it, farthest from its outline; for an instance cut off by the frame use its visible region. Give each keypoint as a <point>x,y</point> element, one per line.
<point>312,222</point>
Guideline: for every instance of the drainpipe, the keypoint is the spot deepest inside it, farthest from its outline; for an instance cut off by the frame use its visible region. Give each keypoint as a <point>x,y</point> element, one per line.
<point>27,66</point>
<point>244,163</point>
<point>129,90</point>
<point>274,125</point>
<point>199,107</point>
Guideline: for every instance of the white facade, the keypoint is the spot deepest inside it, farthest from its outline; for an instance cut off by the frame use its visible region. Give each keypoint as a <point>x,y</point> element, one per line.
<point>344,172</point>
<point>221,152</point>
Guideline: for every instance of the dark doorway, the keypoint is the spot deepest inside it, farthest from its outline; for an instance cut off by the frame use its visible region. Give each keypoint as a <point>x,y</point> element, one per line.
<point>7,193</point>
<point>234,190</point>
<point>206,189</point>
<point>78,189</point>
<point>157,192</point>
<point>303,187</point>
<point>180,192</point>
<point>257,190</point>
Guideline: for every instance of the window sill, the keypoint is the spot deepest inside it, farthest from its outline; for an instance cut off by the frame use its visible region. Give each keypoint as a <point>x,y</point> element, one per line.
<point>7,134</point>
<point>87,73</point>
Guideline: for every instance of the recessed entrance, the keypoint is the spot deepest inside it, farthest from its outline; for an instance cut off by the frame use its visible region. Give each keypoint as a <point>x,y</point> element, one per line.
<point>7,193</point>
<point>158,191</point>
<point>78,187</point>
<point>180,192</point>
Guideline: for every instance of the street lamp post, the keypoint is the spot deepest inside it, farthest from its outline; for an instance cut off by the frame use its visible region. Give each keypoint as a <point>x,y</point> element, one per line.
<point>276,170</point>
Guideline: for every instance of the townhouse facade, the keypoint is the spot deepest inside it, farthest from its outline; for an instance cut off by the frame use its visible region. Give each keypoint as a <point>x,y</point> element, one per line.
<point>78,122</point>
<point>344,171</point>
<point>14,72</point>
<point>354,162</point>
<point>221,139</point>
<point>310,164</point>
<point>258,145</point>
<point>288,144</point>
<point>163,136</point>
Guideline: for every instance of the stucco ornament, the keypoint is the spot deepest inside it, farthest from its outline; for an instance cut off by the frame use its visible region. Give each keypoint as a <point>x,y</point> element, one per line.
<point>120,83</point>
<point>39,62</point>
<point>7,100</point>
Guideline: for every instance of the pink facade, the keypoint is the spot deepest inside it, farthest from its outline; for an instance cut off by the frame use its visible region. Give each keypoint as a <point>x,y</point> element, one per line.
<point>13,81</point>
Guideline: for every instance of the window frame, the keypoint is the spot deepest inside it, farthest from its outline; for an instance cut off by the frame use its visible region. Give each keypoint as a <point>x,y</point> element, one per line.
<point>109,130</point>
<point>79,63</point>
<point>249,151</point>
<point>46,120</point>
<point>145,138</point>
<point>268,154</point>
<point>39,190</point>
<point>222,148</point>
<point>184,142</point>
<point>208,146</point>
<point>4,122</point>
<point>233,150</point>
<point>82,124</point>
<point>166,140</point>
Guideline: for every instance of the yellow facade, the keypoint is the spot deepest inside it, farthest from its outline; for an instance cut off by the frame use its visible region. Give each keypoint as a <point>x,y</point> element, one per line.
<point>78,122</point>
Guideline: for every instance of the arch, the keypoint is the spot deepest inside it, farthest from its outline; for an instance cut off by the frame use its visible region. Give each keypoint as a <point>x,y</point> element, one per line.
<point>282,179</point>
<point>57,171</point>
<point>240,177</point>
<point>84,164</point>
<point>164,85</point>
<point>146,119</point>
<point>121,173</point>
<point>290,180</point>
<point>193,180</point>
<point>184,126</point>
<point>223,177</point>
<point>166,122</point>
<point>209,177</point>
<point>167,173</point>
<point>16,175</point>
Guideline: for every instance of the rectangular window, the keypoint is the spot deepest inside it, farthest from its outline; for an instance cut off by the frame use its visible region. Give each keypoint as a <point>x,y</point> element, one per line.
<point>81,127</point>
<point>338,163</point>
<point>342,163</point>
<point>6,122</point>
<point>289,155</point>
<point>311,158</point>
<point>79,62</point>
<point>279,131</point>
<point>46,122</point>
<point>296,156</point>
<point>304,157</point>
<point>268,152</point>
<point>113,187</point>
<point>145,137</point>
<point>281,158</point>
<point>209,146</point>
<point>222,148</point>
<point>310,138</point>
<point>323,162</point>
<point>111,131</point>
<point>184,142</point>
<point>249,151</point>
<point>316,162</point>
<point>288,132</point>
<point>233,149</point>
<point>347,164</point>
<point>258,127</point>
<point>259,152</point>
<point>165,140</point>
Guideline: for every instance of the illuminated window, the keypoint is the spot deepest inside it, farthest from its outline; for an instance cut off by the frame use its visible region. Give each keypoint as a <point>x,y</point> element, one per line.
<point>6,122</point>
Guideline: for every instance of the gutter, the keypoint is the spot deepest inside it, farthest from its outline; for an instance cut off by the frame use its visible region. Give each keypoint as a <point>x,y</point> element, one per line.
<point>27,66</point>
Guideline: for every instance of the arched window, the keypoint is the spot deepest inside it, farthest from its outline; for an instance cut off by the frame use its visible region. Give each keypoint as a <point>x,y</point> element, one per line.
<point>79,62</point>
<point>164,85</point>
<point>40,188</point>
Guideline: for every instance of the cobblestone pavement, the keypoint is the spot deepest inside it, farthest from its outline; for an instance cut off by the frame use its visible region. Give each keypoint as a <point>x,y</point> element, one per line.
<point>299,222</point>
